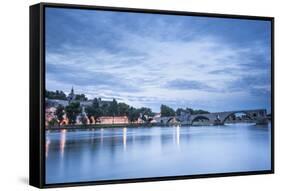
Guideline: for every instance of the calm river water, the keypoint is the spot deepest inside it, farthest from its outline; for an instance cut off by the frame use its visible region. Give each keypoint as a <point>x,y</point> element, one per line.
<point>122,153</point>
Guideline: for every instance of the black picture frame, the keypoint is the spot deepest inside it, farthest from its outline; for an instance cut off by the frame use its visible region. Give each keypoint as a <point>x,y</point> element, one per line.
<point>37,90</point>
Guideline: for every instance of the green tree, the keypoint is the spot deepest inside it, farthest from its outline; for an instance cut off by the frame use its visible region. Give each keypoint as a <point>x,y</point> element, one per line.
<point>145,113</point>
<point>179,111</point>
<point>133,114</point>
<point>90,112</point>
<point>94,110</point>
<point>96,103</point>
<point>55,95</point>
<point>81,97</point>
<point>59,113</point>
<point>72,111</point>
<point>200,111</point>
<point>105,109</point>
<point>167,111</point>
<point>195,112</point>
<point>113,108</point>
<point>123,109</point>
<point>189,110</point>
<point>53,122</point>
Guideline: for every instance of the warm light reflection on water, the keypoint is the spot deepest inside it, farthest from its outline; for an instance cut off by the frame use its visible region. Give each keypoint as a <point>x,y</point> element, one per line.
<point>47,146</point>
<point>124,138</point>
<point>62,141</point>
<point>178,135</point>
<point>101,136</point>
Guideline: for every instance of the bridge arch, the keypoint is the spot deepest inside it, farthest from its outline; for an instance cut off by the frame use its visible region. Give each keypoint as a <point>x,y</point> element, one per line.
<point>237,112</point>
<point>200,118</point>
<point>172,118</point>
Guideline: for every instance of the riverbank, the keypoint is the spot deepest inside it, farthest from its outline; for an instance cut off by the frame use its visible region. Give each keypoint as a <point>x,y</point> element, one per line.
<point>96,126</point>
<point>133,125</point>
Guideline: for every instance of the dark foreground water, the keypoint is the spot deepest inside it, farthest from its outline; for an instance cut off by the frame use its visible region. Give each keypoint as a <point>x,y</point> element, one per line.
<point>122,153</point>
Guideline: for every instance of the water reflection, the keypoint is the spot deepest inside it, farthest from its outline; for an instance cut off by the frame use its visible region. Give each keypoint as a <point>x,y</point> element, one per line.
<point>73,156</point>
<point>178,135</point>
<point>101,136</point>
<point>62,141</point>
<point>48,141</point>
<point>124,138</point>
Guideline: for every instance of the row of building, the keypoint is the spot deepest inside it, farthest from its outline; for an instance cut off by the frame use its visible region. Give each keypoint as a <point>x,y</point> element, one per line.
<point>52,104</point>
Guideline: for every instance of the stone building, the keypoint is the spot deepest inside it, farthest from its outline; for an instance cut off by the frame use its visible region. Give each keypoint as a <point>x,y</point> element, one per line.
<point>52,104</point>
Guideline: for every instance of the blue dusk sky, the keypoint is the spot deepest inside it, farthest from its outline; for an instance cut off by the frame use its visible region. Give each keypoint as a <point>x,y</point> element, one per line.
<point>146,60</point>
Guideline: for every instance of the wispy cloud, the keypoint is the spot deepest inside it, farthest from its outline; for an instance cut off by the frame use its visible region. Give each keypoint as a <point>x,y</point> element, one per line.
<point>187,84</point>
<point>153,59</point>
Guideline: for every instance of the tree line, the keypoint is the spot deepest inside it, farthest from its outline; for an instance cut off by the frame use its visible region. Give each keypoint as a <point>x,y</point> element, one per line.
<point>98,109</point>
<point>167,111</point>
<point>60,95</point>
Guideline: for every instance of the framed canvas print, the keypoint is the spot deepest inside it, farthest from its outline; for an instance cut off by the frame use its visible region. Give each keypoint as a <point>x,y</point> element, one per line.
<point>126,95</point>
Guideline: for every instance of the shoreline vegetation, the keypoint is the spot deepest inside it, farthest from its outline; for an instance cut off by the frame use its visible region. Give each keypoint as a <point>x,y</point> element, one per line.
<point>76,111</point>
<point>99,126</point>
<point>131,125</point>
<point>105,126</point>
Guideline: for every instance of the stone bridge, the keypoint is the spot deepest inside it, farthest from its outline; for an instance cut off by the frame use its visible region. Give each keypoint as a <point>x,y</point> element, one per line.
<point>257,116</point>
